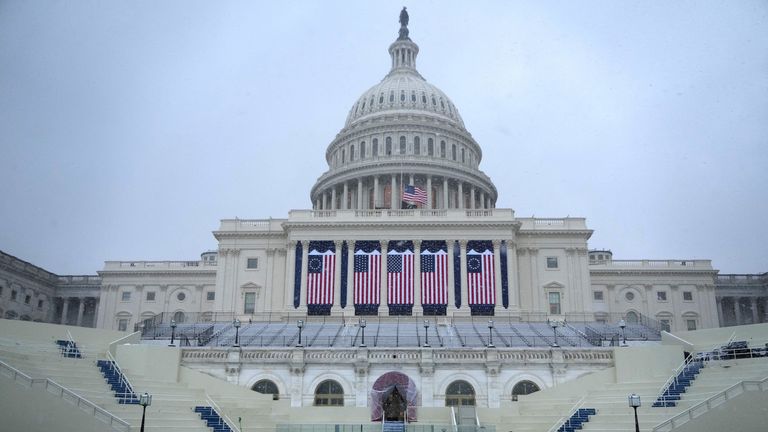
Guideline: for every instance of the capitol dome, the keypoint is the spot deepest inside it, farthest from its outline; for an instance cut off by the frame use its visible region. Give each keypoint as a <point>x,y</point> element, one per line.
<point>403,136</point>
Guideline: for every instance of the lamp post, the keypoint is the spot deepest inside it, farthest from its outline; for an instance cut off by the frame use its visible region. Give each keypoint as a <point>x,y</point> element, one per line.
<point>173,332</point>
<point>300,325</point>
<point>362,326</point>
<point>426,333</point>
<point>490,334</point>
<point>623,324</point>
<point>236,323</point>
<point>554,324</point>
<point>145,400</point>
<point>634,402</point>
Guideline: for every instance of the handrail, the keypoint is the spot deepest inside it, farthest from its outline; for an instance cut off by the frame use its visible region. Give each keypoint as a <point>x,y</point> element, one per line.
<point>100,413</point>
<point>453,420</point>
<point>221,413</point>
<point>711,402</point>
<point>677,370</point>
<point>123,376</point>
<point>112,347</point>
<point>71,346</point>
<point>568,416</point>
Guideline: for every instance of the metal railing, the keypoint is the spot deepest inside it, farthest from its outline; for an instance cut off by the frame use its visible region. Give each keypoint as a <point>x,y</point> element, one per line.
<point>224,417</point>
<point>714,401</point>
<point>123,378</point>
<point>64,393</point>
<point>567,418</point>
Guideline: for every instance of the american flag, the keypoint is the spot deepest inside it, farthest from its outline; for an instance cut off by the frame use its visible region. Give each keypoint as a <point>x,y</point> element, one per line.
<point>434,277</point>
<point>321,275</point>
<point>414,194</point>
<point>481,277</point>
<point>367,277</point>
<point>400,277</point>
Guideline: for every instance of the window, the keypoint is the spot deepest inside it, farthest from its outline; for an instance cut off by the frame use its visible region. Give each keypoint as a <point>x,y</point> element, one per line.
<point>402,145</point>
<point>352,152</point>
<point>453,152</point>
<point>181,296</point>
<point>430,147</point>
<point>122,324</point>
<point>413,96</point>
<point>329,393</point>
<point>551,262</point>
<point>343,155</point>
<point>442,149</point>
<point>14,294</point>
<point>210,295</point>
<point>632,317</point>
<point>661,295</point>
<point>179,317</point>
<point>460,393</point>
<point>39,304</point>
<point>423,98</point>
<point>362,149</point>
<point>416,145</point>
<point>687,296</point>
<point>402,95</point>
<point>267,387</point>
<point>442,104</point>
<point>150,296</point>
<point>597,295</point>
<point>665,324</point>
<point>125,296</point>
<point>629,296</point>
<point>462,156</point>
<point>375,150</point>
<point>554,303</point>
<point>381,98</point>
<point>388,149</point>
<point>524,388</point>
<point>252,263</point>
<point>391,96</point>
<point>250,303</point>
<point>690,324</point>
<point>433,101</point>
<point>27,299</point>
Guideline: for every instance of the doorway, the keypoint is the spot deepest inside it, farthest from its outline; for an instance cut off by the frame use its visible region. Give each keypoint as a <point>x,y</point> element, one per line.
<point>394,406</point>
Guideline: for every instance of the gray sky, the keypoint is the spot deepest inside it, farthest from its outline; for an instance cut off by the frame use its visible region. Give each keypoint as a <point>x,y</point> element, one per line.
<point>129,128</point>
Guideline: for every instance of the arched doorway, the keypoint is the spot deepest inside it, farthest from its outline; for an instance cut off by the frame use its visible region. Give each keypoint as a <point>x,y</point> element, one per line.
<point>632,317</point>
<point>460,393</point>
<point>266,386</point>
<point>394,397</point>
<point>524,388</point>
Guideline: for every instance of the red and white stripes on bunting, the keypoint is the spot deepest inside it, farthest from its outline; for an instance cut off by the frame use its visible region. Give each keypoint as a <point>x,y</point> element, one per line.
<point>400,277</point>
<point>481,278</point>
<point>321,275</point>
<point>367,277</point>
<point>434,277</point>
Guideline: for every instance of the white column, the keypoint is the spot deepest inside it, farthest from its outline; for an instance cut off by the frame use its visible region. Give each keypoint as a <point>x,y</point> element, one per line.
<point>472,198</point>
<point>333,198</point>
<point>81,308</point>
<point>337,274</point>
<point>410,179</point>
<point>429,192</point>
<point>345,197</point>
<point>350,273</point>
<point>445,193</point>
<point>482,199</point>
<point>393,196</point>
<point>512,275</point>
<point>325,200</point>
<point>376,191</point>
<point>359,194</point>
<point>497,273</point>
<point>290,267</point>
<point>383,309</point>
<point>451,291</point>
<point>304,257</point>
<point>464,292</point>
<point>460,204</point>
<point>64,310</point>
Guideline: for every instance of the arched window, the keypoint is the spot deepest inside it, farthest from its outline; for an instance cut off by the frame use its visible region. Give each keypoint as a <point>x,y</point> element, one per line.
<point>266,386</point>
<point>442,149</point>
<point>416,145</point>
<point>343,156</point>
<point>413,95</point>
<point>362,149</point>
<point>370,105</point>
<point>402,95</point>
<point>462,156</point>
<point>459,393</point>
<point>402,145</point>
<point>430,147</point>
<point>442,104</point>
<point>453,152</point>
<point>179,317</point>
<point>391,96</point>
<point>329,393</point>
<point>363,107</point>
<point>423,98</point>
<point>381,98</point>
<point>433,101</point>
<point>632,317</point>
<point>375,150</point>
<point>389,146</point>
<point>352,152</point>
<point>524,388</point>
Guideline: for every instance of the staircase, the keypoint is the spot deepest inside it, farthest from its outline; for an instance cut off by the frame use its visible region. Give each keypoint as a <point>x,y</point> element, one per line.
<point>393,426</point>
<point>212,419</point>
<point>577,419</point>
<point>117,382</point>
<point>679,384</point>
<point>69,349</point>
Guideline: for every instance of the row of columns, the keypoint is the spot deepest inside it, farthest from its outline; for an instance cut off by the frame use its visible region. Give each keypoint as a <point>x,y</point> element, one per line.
<point>512,271</point>
<point>734,310</point>
<point>80,309</point>
<point>478,198</point>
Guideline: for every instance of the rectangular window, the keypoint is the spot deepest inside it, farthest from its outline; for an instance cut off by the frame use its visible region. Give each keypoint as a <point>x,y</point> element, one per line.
<point>665,325</point>
<point>39,304</point>
<point>210,296</point>
<point>252,263</point>
<point>27,299</point>
<point>687,296</point>
<point>13,295</point>
<point>551,262</point>
<point>597,295</point>
<point>122,325</point>
<point>554,303</point>
<point>150,296</point>
<point>691,324</point>
<point>250,303</point>
<point>126,296</point>
<point>661,295</point>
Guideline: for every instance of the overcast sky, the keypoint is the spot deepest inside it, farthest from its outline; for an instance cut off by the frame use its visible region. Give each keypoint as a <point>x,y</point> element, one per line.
<point>128,129</point>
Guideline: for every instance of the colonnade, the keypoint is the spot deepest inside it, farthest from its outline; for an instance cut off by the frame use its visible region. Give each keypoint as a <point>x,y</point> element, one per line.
<point>505,276</point>
<point>86,311</point>
<point>376,192</point>
<point>740,310</point>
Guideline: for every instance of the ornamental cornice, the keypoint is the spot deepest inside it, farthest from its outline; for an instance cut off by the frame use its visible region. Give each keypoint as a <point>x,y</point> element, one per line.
<point>653,272</point>
<point>412,224</point>
<point>220,235</point>
<point>544,233</point>
<point>389,120</point>
<point>155,273</point>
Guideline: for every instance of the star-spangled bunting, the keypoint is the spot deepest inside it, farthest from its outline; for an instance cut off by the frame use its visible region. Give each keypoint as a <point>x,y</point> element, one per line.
<point>400,277</point>
<point>481,279</point>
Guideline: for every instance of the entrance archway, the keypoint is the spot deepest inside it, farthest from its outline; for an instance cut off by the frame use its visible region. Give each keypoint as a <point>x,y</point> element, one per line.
<point>393,397</point>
